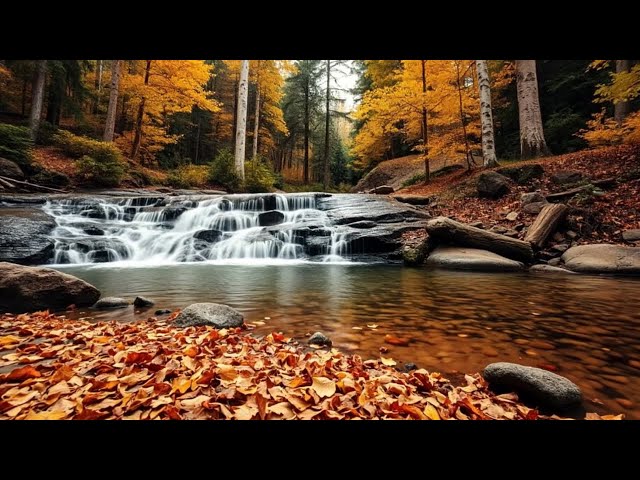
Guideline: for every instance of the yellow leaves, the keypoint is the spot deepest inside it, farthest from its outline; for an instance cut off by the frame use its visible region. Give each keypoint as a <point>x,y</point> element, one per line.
<point>9,340</point>
<point>54,415</point>
<point>227,372</point>
<point>431,413</point>
<point>323,386</point>
<point>389,362</point>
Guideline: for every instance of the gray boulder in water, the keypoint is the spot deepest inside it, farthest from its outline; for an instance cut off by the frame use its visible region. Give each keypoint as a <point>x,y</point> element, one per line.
<point>212,314</point>
<point>111,302</point>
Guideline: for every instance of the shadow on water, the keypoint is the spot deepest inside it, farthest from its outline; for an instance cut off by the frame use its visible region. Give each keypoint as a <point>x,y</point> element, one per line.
<point>586,328</point>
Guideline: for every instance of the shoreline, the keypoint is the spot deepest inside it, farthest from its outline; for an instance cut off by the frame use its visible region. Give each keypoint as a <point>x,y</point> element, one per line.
<point>56,368</point>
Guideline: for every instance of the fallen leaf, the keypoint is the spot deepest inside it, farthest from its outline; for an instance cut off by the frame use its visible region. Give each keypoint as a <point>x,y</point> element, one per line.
<point>372,326</point>
<point>226,372</point>
<point>389,362</point>
<point>23,373</point>
<point>323,386</point>
<point>431,413</point>
<point>393,340</point>
<point>53,415</point>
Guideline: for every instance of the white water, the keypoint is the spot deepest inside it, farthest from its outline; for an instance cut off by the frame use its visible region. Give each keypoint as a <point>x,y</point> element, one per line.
<point>138,232</point>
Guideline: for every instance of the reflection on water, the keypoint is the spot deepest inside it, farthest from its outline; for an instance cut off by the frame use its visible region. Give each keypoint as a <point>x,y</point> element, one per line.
<point>586,327</point>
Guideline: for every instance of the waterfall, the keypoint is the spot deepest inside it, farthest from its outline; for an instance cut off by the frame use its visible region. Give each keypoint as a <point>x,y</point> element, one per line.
<point>161,230</point>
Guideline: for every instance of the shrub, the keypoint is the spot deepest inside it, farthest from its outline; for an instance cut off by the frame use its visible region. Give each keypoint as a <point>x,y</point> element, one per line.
<point>258,177</point>
<point>46,133</point>
<point>188,176</point>
<point>15,143</point>
<point>76,146</point>
<point>223,171</point>
<point>417,178</point>
<point>105,172</point>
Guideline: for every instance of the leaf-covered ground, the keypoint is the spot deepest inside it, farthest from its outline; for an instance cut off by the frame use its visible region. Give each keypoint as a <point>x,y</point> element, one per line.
<point>56,368</point>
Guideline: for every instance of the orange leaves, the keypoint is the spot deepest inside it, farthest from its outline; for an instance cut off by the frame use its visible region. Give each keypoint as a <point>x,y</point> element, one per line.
<point>20,374</point>
<point>393,340</point>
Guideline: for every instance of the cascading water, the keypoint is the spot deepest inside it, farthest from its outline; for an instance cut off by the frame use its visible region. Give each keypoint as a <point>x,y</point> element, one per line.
<point>153,230</point>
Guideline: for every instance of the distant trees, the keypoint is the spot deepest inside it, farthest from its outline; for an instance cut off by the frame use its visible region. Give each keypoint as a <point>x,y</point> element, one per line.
<point>37,97</point>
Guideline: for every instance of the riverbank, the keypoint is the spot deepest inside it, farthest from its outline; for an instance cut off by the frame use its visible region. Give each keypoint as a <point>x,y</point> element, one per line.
<point>54,368</point>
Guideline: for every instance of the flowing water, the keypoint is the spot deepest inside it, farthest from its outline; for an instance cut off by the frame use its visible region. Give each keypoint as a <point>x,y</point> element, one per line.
<point>587,328</point>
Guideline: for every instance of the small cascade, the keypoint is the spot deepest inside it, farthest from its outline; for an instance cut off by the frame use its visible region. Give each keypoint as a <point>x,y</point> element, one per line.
<point>158,230</point>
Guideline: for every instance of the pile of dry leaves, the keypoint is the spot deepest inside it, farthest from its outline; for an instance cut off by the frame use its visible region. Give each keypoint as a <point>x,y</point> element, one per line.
<point>62,369</point>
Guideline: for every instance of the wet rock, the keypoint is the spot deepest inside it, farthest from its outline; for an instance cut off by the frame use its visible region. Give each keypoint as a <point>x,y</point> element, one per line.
<point>532,197</point>
<point>171,213</point>
<point>612,259</point>
<point>631,235</point>
<point>162,311</point>
<point>549,269</point>
<point>212,314</point>
<point>321,339</point>
<point>10,169</point>
<point>363,224</point>
<point>512,216</point>
<point>143,302</point>
<point>409,366</point>
<point>24,236</point>
<point>414,255</point>
<point>561,247</point>
<point>458,258</point>
<point>382,190</point>
<point>272,217</point>
<point>111,302</point>
<point>545,388</point>
<point>567,177</point>
<point>523,174</point>
<point>91,230</point>
<point>534,208</point>
<point>554,262</point>
<point>26,289</point>
<point>413,199</point>
<point>492,185</point>
<point>210,236</point>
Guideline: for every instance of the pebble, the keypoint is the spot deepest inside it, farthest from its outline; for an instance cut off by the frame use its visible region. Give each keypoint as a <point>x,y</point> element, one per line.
<point>542,345</point>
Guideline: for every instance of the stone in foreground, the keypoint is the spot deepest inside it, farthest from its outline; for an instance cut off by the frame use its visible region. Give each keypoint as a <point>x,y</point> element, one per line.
<point>143,302</point>
<point>612,259</point>
<point>492,185</point>
<point>546,388</point>
<point>631,235</point>
<point>458,258</point>
<point>24,236</point>
<point>212,314</point>
<point>549,269</point>
<point>28,289</point>
<point>111,302</point>
<point>321,339</point>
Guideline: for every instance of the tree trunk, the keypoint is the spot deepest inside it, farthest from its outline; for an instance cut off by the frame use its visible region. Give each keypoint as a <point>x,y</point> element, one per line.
<point>24,97</point>
<point>36,97</point>
<point>137,139</point>
<point>622,109</point>
<point>467,150</point>
<point>241,128</point>
<point>326,177</point>
<point>110,122</point>
<point>306,132</point>
<point>545,224</point>
<point>425,131</point>
<point>486,115</point>
<point>449,231</point>
<point>256,121</point>
<point>532,142</point>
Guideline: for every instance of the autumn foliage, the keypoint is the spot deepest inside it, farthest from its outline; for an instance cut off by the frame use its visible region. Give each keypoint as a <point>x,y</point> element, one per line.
<point>63,369</point>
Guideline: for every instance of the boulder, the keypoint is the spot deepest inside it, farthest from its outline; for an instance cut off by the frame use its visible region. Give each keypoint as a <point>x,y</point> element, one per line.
<point>458,258</point>
<point>143,302</point>
<point>212,314</point>
<point>512,216</point>
<point>546,388</point>
<point>24,236</point>
<point>111,302</point>
<point>272,217</point>
<point>611,259</point>
<point>567,177</point>
<point>162,311</point>
<point>534,208</point>
<point>321,339</point>
<point>10,169</point>
<point>492,185</point>
<point>413,199</point>
<point>414,255</point>
<point>523,174</point>
<point>631,235</point>
<point>25,289</point>
<point>210,236</point>
<point>382,190</point>
<point>91,230</point>
<point>549,269</point>
<point>531,197</point>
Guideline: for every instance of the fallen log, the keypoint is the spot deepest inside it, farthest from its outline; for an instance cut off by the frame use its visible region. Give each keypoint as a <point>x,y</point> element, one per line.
<point>449,231</point>
<point>545,224</point>
<point>604,183</point>
<point>32,185</point>
<point>4,183</point>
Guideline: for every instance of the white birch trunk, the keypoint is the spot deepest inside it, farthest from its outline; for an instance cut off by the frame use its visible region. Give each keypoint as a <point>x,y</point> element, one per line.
<point>486,115</point>
<point>37,97</point>
<point>256,122</point>
<point>532,142</point>
<point>110,123</point>
<point>241,126</point>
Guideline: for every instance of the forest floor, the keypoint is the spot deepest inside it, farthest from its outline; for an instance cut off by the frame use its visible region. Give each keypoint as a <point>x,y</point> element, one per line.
<point>52,368</point>
<point>596,218</point>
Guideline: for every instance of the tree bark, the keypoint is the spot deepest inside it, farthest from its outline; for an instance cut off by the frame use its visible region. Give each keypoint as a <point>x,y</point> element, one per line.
<point>327,124</point>
<point>137,139</point>
<point>110,123</point>
<point>425,131</point>
<point>98,85</point>
<point>256,121</point>
<point>545,224</point>
<point>449,231</point>
<point>37,97</point>
<point>621,109</point>
<point>241,125</point>
<point>306,131</point>
<point>467,151</point>
<point>532,142</point>
<point>486,115</point>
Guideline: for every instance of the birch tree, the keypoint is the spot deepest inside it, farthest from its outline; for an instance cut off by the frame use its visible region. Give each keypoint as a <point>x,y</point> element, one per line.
<point>110,123</point>
<point>325,161</point>
<point>256,121</point>
<point>532,142</point>
<point>37,97</point>
<point>241,122</point>
<point>486,115</point>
